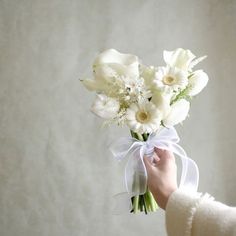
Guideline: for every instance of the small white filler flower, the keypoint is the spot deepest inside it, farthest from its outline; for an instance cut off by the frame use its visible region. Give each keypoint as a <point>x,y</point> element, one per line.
<point>143,118</point>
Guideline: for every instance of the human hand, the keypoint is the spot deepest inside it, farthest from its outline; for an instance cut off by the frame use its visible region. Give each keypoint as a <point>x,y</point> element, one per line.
<point>162,175</point>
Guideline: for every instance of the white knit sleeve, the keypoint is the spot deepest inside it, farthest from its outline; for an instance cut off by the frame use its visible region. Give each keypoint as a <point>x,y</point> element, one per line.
<point>194,214</point>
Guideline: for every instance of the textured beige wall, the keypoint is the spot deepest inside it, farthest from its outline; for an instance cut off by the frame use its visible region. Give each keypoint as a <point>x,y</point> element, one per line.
<point>56,174</point>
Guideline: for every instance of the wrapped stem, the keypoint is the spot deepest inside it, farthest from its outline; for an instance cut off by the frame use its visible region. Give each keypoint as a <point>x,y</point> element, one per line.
<point>145,202</point>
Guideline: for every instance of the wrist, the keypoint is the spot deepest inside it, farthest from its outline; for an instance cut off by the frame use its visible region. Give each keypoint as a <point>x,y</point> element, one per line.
<point>163,197</point>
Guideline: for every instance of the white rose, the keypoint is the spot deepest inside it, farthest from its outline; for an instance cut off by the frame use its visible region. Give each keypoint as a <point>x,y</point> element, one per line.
<point>179,58</point>
<point>111,64</point>
<point>105,107</point>
<point>178,113</point>
<point>197,82</point>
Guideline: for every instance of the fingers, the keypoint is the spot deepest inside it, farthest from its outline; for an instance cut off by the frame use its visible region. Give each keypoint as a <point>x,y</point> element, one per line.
<point>147,162</point>
<point>150,163</point>
<point>156,158</point>
<point>164,155</point>
<point>161,153</point>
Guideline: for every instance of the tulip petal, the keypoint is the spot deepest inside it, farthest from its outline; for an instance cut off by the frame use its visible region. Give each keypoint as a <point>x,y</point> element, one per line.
<point>197,82</point>
<point>178,113</point>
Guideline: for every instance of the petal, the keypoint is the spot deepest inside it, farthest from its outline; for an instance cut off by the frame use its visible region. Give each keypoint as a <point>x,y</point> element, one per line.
<point>197,82</point>
<point>113,56</point>
<point>196,61</point>
<point>127,71</point>
<point>91,84</point>
<point>105,107</point>
<point>178,113</point>
<point>180,58</point>
<point>162,101</point>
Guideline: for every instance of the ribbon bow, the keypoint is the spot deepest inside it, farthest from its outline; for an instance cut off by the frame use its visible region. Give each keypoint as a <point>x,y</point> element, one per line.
<point>135,170</point>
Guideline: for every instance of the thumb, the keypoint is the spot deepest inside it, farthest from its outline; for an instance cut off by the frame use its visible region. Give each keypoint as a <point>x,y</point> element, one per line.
<point>148,163</point>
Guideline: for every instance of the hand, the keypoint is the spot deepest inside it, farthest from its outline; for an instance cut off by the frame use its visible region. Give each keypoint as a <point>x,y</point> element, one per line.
<point>162,175</point>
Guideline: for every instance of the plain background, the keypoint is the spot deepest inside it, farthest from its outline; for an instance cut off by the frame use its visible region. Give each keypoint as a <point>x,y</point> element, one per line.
<point>57,177</point>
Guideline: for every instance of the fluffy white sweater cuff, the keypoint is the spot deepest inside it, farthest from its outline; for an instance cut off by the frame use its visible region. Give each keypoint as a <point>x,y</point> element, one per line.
<point>196,214</point>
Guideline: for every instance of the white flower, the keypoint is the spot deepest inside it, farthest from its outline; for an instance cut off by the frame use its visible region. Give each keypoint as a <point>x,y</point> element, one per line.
<point>171,77</point>
<point>197,82</point>
<point>196,61</point>
<point>178,113</point>
<point>143,118</point>
<point>182,59</point>
<point>179,58</point>
<point>105,107</point>
<point>148,74</point>
<point>162,101</point>
<point>109,65</point>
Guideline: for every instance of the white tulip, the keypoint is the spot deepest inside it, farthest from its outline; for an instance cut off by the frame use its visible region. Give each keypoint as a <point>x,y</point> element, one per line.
<point>197,82</point>
<point>179,58</point>
<point>178,113</point>
<point>109,65</point>
<point>105,107</point>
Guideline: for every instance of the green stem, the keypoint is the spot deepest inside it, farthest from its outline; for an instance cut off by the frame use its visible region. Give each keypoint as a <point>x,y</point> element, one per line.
<point>140,137</point>
<point>136,204</point>
<point>152,201</point>
<point>144,205</point>
<point>145,136</point>
<point>133,134</point>
<point>141,202</point>
<point>146,201</point>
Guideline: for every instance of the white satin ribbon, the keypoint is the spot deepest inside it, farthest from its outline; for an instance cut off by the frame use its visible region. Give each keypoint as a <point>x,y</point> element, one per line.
<point>135,170</point>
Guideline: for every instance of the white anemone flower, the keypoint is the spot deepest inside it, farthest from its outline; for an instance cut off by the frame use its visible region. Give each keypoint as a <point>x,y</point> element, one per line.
<point>171,78</point>
<point>143,118</point>
<point>178,113</point>
<point>105,107</point>
<point>109,65</point>
<point>197,82</point>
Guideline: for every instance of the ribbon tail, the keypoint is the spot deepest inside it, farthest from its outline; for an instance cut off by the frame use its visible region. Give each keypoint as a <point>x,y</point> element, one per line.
<point>190,173</point>
<point>136,173</point>
<point>121,147</point>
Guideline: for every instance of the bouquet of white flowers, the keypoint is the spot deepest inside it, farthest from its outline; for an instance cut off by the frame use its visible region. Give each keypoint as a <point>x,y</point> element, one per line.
<point>150,101</point>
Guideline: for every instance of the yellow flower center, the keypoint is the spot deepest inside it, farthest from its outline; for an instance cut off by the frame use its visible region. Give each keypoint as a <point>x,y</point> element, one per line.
<point>142,116</point>
<point>168,80</point>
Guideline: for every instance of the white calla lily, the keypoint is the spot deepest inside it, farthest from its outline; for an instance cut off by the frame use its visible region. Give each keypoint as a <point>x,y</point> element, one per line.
<point>105,107</point>
<point>125,63</point>
<point>109,65</point>
<point>178,113</point>
<point>197,82</point>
